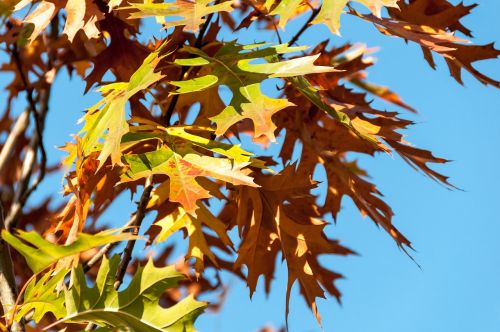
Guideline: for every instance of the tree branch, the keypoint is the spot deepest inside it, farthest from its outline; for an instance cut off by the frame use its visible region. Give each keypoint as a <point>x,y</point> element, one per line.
<point>8,289</point>
<point>299,33</point>
<point>24,190</point>
<point>139,216</point>
<point>198,44</point>
<point>15,134</point>
<point>107,248</point>
<point>134,223</point>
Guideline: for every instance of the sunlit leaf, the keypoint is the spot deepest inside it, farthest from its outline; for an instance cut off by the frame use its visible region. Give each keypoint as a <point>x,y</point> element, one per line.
<point>40,253</point>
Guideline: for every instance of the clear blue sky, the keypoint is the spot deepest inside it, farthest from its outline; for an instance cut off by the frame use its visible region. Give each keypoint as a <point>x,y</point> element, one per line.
<point>455,233</point>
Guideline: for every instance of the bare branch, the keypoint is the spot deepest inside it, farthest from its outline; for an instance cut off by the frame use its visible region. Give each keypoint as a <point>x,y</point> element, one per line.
<point>139,216</point>
<point>8,289</point>
<point>24,190</point>
<point>299,33</point>
<point>107,248</point>
<point>16,132</point>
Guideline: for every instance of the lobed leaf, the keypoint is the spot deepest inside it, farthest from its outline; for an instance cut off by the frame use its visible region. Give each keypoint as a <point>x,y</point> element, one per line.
<point>40,253</point>
<point>329,12</point>
<point>136,308</point>
<point>106,119</point>
<point>189,14</point>
<point>233,66</point>
<point>183,166</point>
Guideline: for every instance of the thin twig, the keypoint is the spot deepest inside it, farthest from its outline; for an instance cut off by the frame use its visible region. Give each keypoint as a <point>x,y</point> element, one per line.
<point>107,248</point>
<point>24,190</point>
<point>134,224</point>
<point>299,33</point>
<point>198,44</point>
<point>29,96</point>
<point>171,107</point>
<point>277,31</point>
<point>199,40</point>
<point>139,216</point>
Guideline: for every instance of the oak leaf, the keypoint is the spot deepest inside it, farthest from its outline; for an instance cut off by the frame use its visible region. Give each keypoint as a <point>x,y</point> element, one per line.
<point>198,240</point>
<point>40,253</point>
<point>183,166</point>
<point>280,217</point>
<point>232,65</point>
<point>330,11</point>
<point>189,14</point>
<point>81,15</point>
<point>108,115</point>
<point>134,308</point>
<point>434,33</point>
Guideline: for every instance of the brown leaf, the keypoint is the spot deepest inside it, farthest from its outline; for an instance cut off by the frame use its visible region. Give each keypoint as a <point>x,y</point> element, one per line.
<point>280,217</point>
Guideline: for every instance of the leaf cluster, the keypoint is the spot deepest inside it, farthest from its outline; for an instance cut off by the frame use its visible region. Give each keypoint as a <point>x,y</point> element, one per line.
<point>189,118</point>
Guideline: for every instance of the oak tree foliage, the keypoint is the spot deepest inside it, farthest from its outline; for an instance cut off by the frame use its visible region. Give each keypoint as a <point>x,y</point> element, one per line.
<point>176,123</point>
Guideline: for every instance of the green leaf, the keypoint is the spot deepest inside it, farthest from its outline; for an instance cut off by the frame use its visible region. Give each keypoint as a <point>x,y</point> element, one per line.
<point>198,245</point>
<point>289,68</point>
<point>233,151</point>
<point>40,253</point>
<point>137,307</point>
<point>260,109</point>
<point>195,84</point>
<point>234,66</point>
<point>329,14</point>
<point>42,297</point>
<point>192,62</point>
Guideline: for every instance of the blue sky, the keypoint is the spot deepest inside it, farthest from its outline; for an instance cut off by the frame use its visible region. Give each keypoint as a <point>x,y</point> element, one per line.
<point>455,233</point>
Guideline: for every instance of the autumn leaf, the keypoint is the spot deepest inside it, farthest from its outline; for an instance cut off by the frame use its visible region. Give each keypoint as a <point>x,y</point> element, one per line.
<point>177,130</point>
<point>330,11</point>
<point>39,19</point>
<point>81,15</point>
<point>183,166</point>
<point>123,37</point>
<point>198,243</point>
<point>189,14</point>
<point>271,220</point>
<point>433,36</point>
<point>106,119</point>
